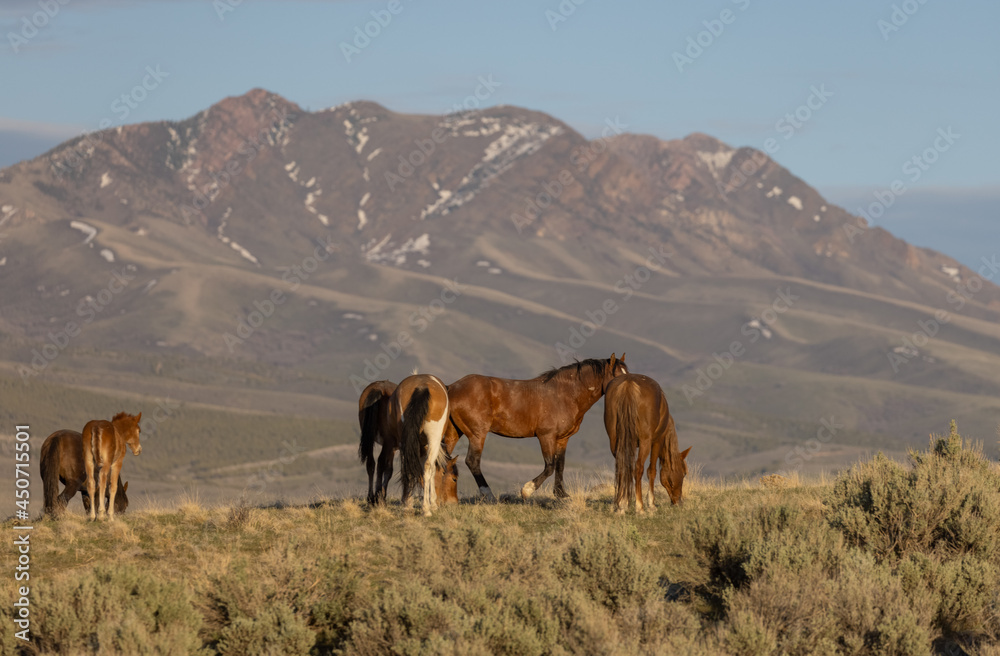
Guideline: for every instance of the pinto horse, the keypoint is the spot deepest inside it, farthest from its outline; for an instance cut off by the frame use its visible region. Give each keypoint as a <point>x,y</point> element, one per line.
<point>639,425</point>
<point>62,462</point>
<point>104,445</point>
<point>549,407</point>
<point>419,410</point>
<point>377,427</point>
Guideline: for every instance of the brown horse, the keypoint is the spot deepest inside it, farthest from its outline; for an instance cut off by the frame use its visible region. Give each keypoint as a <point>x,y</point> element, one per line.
<point>419,410</point>
<point>373,415</point>
<point>62,462</point>
<point>549,407</point>
<point>103,452</point>
<point>639,425</point>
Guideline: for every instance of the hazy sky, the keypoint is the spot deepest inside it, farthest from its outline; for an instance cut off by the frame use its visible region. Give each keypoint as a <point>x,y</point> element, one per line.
<point>741,70</point>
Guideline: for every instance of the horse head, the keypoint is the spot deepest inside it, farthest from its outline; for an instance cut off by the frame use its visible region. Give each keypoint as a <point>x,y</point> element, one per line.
<point>613,369</point>
<point>672,477</point>
<point>132,433</point>
<point>446,479</point>
<point>121,499</point>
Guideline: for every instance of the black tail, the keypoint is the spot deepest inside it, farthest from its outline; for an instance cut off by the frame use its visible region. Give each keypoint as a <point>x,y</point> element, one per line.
<point>369,425</point>
<point>627,445</point>
<point>412,439</point>
<point>50,479</point>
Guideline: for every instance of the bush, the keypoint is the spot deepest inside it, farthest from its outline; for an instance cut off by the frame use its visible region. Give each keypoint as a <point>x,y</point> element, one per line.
<point>948,502</point>
<point>115,609</point>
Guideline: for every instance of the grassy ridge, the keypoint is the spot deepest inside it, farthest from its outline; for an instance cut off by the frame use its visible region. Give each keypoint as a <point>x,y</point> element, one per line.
<point>886,559</point>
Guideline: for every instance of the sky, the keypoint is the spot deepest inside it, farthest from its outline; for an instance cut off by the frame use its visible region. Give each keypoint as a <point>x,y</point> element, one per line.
<point>851,90</point>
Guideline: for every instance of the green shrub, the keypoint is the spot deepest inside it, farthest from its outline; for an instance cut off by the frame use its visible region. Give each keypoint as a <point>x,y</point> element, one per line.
<point>948,502</point>
<point>114,609</point>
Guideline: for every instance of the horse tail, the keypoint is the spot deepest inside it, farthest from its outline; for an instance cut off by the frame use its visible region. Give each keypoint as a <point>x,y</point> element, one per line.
<point>412,470</point>
<point>50,477</point>
<point>627,443</point>
<point>369,425</point>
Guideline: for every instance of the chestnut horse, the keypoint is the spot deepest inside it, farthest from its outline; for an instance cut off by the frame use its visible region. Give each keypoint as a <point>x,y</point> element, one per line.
<point>377,427</point>
<point>549,407</point>
<point>104,449</point>
<point>419,410</point>
<point>62,462</point>
<point>639,425</point>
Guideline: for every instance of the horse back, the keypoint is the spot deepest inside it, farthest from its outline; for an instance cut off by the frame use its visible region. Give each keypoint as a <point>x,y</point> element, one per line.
<point>100,439</point>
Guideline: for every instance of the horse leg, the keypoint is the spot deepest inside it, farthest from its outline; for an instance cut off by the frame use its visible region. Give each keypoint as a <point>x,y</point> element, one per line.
<point>383,474</point>
<point>643,454</point>
<point>430,504</point>
<point>72,487</point>
<point>370,467</point>
<point>476,443</point>
<point>88,466</point>
<point>116,469</point>
<point>654,457</point>
<point>548,444</point>
<point>102,486</point>
<point>560,463</point>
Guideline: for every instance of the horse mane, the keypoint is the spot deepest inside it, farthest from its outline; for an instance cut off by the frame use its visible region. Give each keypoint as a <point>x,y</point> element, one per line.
<point>120,415</point>
<point>596,365</point>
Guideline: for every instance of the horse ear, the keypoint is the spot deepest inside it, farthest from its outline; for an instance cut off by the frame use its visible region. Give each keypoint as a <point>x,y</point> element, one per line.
<point>125,487</point>
<point>612,361</point>
<point>684,453</point>
<point>623,358</point>
<point>138,418</point>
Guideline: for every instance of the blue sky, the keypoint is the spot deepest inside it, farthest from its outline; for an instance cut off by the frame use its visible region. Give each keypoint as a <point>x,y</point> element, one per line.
<point>889,90</point>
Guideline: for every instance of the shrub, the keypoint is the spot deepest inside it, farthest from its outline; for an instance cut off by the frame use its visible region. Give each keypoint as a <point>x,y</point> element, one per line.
<point>948,502</point>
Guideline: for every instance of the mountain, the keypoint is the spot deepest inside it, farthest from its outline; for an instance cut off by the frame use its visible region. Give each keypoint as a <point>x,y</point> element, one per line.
<point>261,260</point>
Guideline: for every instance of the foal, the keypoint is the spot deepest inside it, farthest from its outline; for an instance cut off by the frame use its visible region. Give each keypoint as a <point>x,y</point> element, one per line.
<point>104,447</point>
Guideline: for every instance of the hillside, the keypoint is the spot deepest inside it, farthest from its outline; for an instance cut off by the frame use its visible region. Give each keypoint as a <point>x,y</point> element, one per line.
<point>253,263</point>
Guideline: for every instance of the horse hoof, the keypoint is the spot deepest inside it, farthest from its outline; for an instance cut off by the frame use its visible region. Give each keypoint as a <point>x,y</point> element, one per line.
<point>527,490</point>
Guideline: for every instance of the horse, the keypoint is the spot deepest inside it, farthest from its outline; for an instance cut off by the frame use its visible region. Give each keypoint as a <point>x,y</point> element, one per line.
<point>62,462</point>
<point>377,428</point>
<point>373,415</point>
<point>418,408</point>
<point>104,445</point>
<point>549,407</point>
<point>639,425</point>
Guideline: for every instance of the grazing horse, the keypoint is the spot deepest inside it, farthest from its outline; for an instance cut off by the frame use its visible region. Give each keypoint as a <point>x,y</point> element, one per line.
<point>446,479</point>
<point>549,407</point>
<point>419,410</point>
<point>62,462</point>
<point>639,425</point>
<point>373,415</point>
<point>378,428</point>
<point>104,449</point>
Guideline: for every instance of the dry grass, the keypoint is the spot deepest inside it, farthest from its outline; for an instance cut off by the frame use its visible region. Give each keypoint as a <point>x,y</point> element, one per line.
<point>740,568</point>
